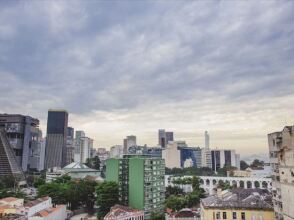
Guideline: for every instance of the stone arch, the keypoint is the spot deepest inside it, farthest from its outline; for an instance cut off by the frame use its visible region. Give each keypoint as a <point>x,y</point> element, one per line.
<point>264,184</point>
<point>207,182</point>
<point>249,184</point>
<point>201,181</point>
<point>242,184</point>
<point>214,181</point>
<point>257,184</point>
<point>234,184</point>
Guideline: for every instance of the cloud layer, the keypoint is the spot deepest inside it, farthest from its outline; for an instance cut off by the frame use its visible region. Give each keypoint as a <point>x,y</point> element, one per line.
<point>125,67</point>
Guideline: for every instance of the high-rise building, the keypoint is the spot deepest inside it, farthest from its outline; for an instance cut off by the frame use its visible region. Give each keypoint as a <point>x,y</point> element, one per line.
<point>281,149</point>
<point>56,138</point>
<point>116,151</point>
<point>206,135</point>
<point>206,157</point>
<point>141,181</point>
<point>83,147</point>
<point>129,141</point>
<point>8,162</point>
<point>164,137</point>
<point>37,153</point>
<point>23,135</point>
<point>172,155</point>
<point>191,157</point>
<point>70,145</point>
<point>222,158</point>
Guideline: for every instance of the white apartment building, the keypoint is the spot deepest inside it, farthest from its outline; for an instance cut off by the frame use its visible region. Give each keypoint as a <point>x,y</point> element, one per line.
<point>83,146</point>
<point>32,207</point>
<point>281,149</point>
<point>116,151</point>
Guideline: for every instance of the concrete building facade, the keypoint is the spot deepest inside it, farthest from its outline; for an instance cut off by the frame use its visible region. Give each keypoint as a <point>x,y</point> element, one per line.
<point>222,158</point>
<point>24,137</point>
<point>281,150</point>
<point>141,181</point>
<point>57,123</point>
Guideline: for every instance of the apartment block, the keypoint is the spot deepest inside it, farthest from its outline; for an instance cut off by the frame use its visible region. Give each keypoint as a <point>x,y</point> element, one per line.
<point>141,181</point>
<point>281,150</point>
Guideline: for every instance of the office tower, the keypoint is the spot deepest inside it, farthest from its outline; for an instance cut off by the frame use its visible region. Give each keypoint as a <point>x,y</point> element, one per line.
<point>169,136</point>
<point>206,139</point>
<point>161,138</point>
<point>190,157</point>
<point>141,181</point>
<point>83,147</point>
<point>8,162</point>
<point>281,149</point>
<point>164,137</point>
<point>56,138</point>
<point>70,145</point>
<point>129,141</point>
<point>116,151</point>
<point>206,157</point>
<point>222,158</point>
<point>22,132</point>
<point>37,152</point>
<point>172,155</point>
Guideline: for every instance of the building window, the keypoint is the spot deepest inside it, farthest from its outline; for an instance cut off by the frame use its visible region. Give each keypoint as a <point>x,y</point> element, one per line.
<point>218,215</point>
<point>234,215</point>
<point>243,216</point>
<point>224,215</point>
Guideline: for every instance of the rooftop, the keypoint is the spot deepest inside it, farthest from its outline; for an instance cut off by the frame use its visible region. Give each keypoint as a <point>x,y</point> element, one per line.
<point>240,198</point>
<point>35,202</point>
<point>9,199</point>
<point>46,212</point>
<point>120,211</point>
<point>76,166</point>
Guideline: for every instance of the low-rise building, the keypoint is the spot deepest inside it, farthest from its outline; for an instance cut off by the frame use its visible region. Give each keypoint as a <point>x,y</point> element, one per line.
<point>53,213</point>
<point>75,170</point>
<point>241,204</point>
<point>37,205</point>
<point>11,201</point>
<point>184,214</point>
<point>119,212</point>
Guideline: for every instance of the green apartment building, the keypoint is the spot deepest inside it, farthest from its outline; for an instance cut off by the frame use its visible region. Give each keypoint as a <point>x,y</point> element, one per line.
<point>141,181</point>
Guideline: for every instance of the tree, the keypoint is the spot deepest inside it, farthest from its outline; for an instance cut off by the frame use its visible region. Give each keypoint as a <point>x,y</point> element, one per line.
<point>224,185</point>
<point>193,199</point>
<point>257,164</point>
<point>173,190</point>
<point>107,196</point>
<point>175,203</point>
<point>38,182</point>
<point>93,163</point>
<point>57,191</point>
<point>243,165</point>
<point>157,216</point>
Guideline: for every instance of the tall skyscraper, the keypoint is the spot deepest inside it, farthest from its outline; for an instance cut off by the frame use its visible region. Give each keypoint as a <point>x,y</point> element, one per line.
<point>206,139</point>
<point>281,149</point>
<point>83,147</point>
<point>222,158</point>
<point>141,181</point>
<point>169,136</point>
<point>70,145</point>
<point>129,141</point>
<point>23,135</point>
<point>164,137</point>
<point>8,162</point>
<point>56,138</point>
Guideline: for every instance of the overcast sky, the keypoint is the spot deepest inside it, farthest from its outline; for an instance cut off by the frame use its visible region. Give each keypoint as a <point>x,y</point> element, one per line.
<point>132,67</point>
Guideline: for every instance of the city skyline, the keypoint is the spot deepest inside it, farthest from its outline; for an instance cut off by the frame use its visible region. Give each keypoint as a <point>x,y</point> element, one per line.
<point>128,68</point>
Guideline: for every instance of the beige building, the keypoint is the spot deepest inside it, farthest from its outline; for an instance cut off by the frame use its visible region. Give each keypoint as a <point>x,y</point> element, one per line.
<point>172,155</point>
<point>281,149</point>
<point>238,204</point>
